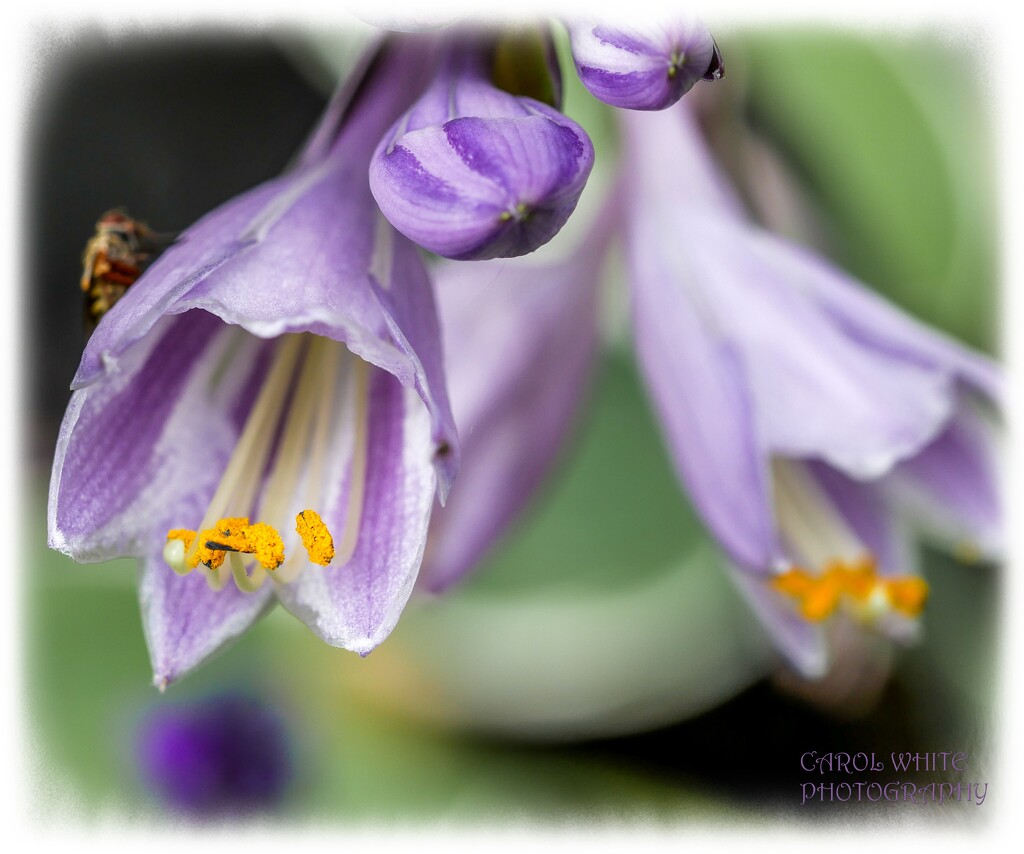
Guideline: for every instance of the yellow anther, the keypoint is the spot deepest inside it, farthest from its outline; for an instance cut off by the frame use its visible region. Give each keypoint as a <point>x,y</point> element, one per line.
<point>182,534</point>
<point>861,578</point>
<point>795,582</point>
<point>821,601</point>
<point>907,595</point>
<point>233,535</point>
<point>265,544</point>
<point>228,534</point>
<point>315,537</point>
<point>855,584</point>
<point>816,596</point>
<point>213,558</point>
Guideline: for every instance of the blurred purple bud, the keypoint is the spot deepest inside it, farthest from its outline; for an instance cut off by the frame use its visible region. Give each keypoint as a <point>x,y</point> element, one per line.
<point>644,67</point>
<point>223,756</point>
<point>472,172</point>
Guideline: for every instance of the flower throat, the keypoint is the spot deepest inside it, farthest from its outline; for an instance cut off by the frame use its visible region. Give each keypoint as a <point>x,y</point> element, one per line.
<point>845,574</point>
<point>295,405</point>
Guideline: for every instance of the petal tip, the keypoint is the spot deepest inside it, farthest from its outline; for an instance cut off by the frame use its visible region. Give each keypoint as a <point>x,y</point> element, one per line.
<point>56,540</point>
<point>363,646</point>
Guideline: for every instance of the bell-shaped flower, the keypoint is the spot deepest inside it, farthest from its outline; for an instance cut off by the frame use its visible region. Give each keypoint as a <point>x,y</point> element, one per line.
<point>520,341</point>
<point>264,414</point>
<point>802,411</point>
<point>644,67</point>
<point>472,172</point>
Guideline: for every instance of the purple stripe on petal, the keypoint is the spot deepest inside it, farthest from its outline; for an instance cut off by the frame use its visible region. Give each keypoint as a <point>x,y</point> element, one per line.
<point>499,148</point>
<point>635,87</point>
<point>126,443</point>
<point>404,167</point>
<point>624,40</point>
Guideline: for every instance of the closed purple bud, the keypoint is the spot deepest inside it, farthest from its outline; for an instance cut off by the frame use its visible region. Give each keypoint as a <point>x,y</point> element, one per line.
<point>644,67</point>
<point>226,755</point>
<point>472,172</point>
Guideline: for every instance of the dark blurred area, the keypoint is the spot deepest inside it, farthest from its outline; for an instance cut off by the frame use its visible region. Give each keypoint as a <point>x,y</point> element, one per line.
<point>226,755</point>
<point>166,127</point>
<point>170,126</point>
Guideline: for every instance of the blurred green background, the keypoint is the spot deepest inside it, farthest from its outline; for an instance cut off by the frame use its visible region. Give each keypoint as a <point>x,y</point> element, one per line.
<point>645,688</point>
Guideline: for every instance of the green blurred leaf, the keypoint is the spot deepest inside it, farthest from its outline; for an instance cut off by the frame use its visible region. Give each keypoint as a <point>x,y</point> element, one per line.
<point>893,135</point>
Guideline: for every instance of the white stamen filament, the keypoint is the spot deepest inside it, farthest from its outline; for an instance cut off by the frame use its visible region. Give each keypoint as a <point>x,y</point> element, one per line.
<point>294,444</point>
<point>245,582</point>
<point>215,578</point>
<point>359,371</point>
<point>335,356</point>
<point>807,518</point>
<point>255,439</point>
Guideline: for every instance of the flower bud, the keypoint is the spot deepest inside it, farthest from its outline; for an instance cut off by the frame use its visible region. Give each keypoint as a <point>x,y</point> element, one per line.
<point>644,67</point>
<point>472,172</point>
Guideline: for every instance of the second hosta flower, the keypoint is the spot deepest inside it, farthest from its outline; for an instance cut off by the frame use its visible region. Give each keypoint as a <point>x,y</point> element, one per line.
<point>264,413</point>
<point>808,419</point>
<point>471,172</point>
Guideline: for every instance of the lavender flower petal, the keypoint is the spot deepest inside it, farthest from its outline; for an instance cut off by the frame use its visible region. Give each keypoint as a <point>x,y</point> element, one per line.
<point>876,324</point>
<point>951,488</point>
<point>519,345</point>
<point>820,391</point>
<point>356,605</point>
<point>696,379</point>
<point>644,67</point>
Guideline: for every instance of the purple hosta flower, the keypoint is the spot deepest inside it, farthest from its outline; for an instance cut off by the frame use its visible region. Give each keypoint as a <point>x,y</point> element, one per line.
<point>520,339</point>
<point>472,172</point>
<point>224,756</point>
<point>644,67</point>
<point>267,399</point>
<point>800,408</point>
